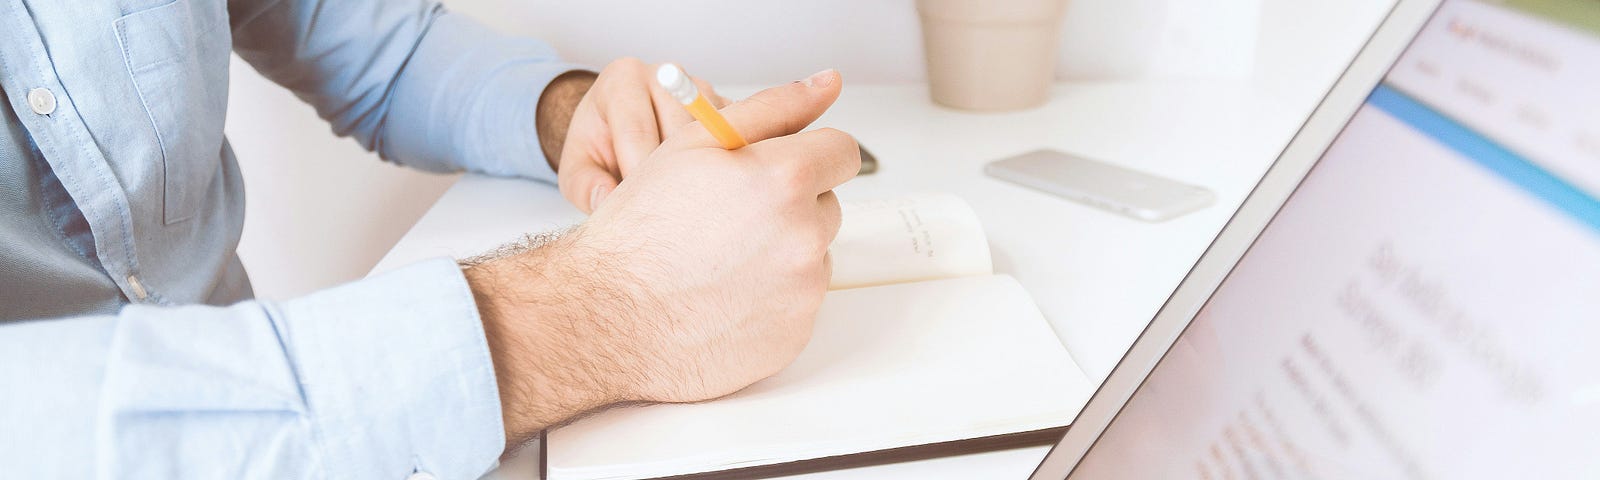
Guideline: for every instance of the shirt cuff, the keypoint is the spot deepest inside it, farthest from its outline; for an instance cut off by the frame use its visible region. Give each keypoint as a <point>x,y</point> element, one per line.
<point>395,370</point>
<point>467,99</point>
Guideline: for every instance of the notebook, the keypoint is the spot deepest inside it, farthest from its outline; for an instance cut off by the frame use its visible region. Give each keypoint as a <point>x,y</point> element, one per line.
<point>919,350</point>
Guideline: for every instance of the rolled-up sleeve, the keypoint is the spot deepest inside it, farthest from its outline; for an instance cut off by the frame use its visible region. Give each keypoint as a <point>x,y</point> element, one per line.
<point>421,86</point>
<point>376,379</point>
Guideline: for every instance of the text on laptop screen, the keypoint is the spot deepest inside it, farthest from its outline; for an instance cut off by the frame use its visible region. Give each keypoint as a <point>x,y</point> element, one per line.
<point>1427,303</point>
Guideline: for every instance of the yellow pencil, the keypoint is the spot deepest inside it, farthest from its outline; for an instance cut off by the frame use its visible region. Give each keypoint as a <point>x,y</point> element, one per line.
<point>683,90</point>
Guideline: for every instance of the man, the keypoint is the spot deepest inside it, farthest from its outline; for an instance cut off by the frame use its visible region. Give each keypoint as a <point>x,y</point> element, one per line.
<point>131,347</point>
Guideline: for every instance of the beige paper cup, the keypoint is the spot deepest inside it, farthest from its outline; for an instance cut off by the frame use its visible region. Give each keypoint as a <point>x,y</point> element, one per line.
<point>991,55</point>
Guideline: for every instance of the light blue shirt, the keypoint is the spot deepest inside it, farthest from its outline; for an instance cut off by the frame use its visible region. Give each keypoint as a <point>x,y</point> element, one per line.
<point>121,205</point>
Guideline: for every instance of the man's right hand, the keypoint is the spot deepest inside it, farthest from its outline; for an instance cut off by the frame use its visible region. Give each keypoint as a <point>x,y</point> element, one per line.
<point>698,276</point>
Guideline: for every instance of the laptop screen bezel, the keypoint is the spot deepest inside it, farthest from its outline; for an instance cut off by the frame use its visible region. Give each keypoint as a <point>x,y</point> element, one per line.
<point>1383,48</point>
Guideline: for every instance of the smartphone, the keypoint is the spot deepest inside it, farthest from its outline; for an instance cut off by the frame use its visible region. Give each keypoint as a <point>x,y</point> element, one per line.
<point>1129,192</point>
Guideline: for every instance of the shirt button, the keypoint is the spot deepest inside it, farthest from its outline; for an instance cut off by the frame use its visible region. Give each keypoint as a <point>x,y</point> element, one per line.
<point>420,476</point>
<point>42,101</point>
<point>137,287</point>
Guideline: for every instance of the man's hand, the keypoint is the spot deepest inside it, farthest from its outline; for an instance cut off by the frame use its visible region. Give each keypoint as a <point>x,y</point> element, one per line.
<point>622,117</point>
<point>699,276</point>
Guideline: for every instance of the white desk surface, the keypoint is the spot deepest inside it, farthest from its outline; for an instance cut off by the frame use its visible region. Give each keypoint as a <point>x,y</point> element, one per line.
<point>1098,277</point>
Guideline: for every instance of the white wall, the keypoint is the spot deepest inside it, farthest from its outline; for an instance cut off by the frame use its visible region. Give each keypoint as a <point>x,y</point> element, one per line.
<point>321,211</point>
<point>872,41</point>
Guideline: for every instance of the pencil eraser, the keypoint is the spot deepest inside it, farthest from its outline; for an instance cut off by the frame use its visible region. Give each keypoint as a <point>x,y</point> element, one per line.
<point>676,83</point>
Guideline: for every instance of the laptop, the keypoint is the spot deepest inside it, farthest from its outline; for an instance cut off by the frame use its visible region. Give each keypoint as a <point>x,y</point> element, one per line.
<point>1411,292</point>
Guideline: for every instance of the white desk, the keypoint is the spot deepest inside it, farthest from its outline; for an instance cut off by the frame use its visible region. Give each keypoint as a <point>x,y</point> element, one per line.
<point>1097,277</point>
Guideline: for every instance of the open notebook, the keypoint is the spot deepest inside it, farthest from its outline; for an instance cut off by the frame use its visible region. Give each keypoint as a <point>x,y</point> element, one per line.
<point>920,350</point>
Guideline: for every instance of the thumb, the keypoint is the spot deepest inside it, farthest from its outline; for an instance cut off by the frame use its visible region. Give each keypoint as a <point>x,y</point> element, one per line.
<point>781,110</point>
<point>585,183</point>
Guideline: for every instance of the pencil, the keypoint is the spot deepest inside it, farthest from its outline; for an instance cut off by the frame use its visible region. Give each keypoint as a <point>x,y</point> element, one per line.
<point>678,85</point>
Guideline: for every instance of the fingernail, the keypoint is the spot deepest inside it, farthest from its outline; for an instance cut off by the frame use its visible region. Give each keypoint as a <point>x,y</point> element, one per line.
<point>597,195</point>
<point>820,79</point>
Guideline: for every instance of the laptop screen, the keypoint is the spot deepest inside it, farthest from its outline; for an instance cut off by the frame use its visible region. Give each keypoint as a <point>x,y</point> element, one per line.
<point>1427,303</point>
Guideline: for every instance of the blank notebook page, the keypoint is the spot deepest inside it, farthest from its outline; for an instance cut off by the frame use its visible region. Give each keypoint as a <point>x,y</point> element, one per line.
<point>888,366</point>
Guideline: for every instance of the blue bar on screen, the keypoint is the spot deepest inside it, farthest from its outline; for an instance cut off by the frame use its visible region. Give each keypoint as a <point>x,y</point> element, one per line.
<point>1486,153</point>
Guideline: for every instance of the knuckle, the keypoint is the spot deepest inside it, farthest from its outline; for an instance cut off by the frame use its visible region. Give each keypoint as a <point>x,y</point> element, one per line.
<point>835,135</point>
<point>805,260</point>
<point>721,166</point>
<point>830,232</point>
<point>790,180</point>
<point>633,131</point>
<point>835,218</point>
<point>825,240</point>
<point>845,142</point>
<point>626,63</point>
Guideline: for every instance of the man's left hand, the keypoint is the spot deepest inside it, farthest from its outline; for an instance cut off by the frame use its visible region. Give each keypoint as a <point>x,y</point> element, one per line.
<point>620,116</point>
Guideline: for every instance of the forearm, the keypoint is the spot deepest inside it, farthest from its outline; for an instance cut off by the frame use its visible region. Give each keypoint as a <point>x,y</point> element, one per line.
<point>556,106</point>
<point>538,312</point>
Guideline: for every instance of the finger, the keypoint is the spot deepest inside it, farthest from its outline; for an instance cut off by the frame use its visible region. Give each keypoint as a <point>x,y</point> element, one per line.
<point>630,118</point>
<point>670,115</point>
<point>777,111</point>
<point>706,90</point>
<point>584,182</point>
<point>831,216</point>
<point>818,160</point>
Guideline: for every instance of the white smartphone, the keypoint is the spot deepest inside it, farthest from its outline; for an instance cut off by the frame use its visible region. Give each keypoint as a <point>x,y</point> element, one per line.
<point>1129,192</point>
